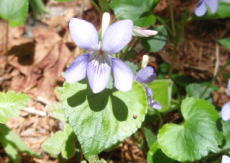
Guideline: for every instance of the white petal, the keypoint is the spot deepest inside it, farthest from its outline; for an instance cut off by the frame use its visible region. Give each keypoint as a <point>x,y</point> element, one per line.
<point>117,36</point>
<point>225,159</point>
<point>105,22</point>
<point>225,112</point>
<point>77,70</point>
<point>98,73</point>
<point>83,34</point>
<point>123,75</point>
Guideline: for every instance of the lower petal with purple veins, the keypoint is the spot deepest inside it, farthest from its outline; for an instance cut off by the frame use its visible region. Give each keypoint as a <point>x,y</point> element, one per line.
<point>77,70</point>
<point>123,75</point>
<point>98,72</point>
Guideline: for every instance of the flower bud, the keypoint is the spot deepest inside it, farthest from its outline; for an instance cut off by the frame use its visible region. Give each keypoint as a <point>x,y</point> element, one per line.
<point>141,32</point>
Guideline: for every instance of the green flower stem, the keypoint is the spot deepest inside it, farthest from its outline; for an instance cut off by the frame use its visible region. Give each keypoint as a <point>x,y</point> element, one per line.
<point>96,6</point>
<point>160,119</point>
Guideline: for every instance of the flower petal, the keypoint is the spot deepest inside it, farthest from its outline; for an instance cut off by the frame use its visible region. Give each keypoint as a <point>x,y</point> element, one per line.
<point>225,112</point>
<point>212,4</point>
<point>151,102</point>
<point>201,8</point>
<point>98,73</point>
<point>146,75</point>
<point>123,75</point>
<point>225,159</point>
<point>156,105</point>
<point>77,70</point>
<point>138,31</point>
<point>149,94</point>
<point>228,87</point>
<point>83,34</point>
<point>117,36</point>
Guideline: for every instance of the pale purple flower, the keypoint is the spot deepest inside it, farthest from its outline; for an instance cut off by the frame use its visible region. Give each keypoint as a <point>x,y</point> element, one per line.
<point>98,63</point>
<point>144,76</point>
<point>225,111</point>
<point>204,5</point>
<point>225,159</point>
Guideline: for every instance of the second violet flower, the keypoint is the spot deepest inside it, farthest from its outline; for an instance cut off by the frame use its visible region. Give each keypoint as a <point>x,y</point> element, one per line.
<point>203,6</point>
<point>144,76</point>
<point>99,62</point>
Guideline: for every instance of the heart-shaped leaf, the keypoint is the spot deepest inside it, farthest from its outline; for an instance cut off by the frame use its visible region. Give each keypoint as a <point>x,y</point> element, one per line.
<point>102,120</point>
<point>198,135</point>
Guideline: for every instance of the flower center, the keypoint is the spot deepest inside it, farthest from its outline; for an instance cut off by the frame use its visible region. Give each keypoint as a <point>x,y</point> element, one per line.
<point>101,52</point>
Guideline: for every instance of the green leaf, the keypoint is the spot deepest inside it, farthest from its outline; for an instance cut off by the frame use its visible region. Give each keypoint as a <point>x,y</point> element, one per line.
<point>15,11</point>
<point>38,7</point>
<point>102,120</point>
<point>225,43</point>
<point>196,136</point>
<point>12,144</point>
<point>10,104</point>
<point>132,9</point>
<point>145,21</point>
<point>200,90</point>
<point>69,148</point>
<point>162,93</point>
<point>61,142</point>
<point>11,151</point>
<point>226,133</point>
<point>156,43</point>
<point>155,155</point>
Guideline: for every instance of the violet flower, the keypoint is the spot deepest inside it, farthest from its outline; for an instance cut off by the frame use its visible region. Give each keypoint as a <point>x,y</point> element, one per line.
<point>145,76</point>
<point>98,63</point>
<point>225,111</point>
<point>203,6</point>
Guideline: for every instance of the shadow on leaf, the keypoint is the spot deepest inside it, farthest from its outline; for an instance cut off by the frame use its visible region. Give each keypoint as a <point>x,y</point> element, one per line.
<point>77,99</point>
<point>98,102</point>
<point>120,110</point>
